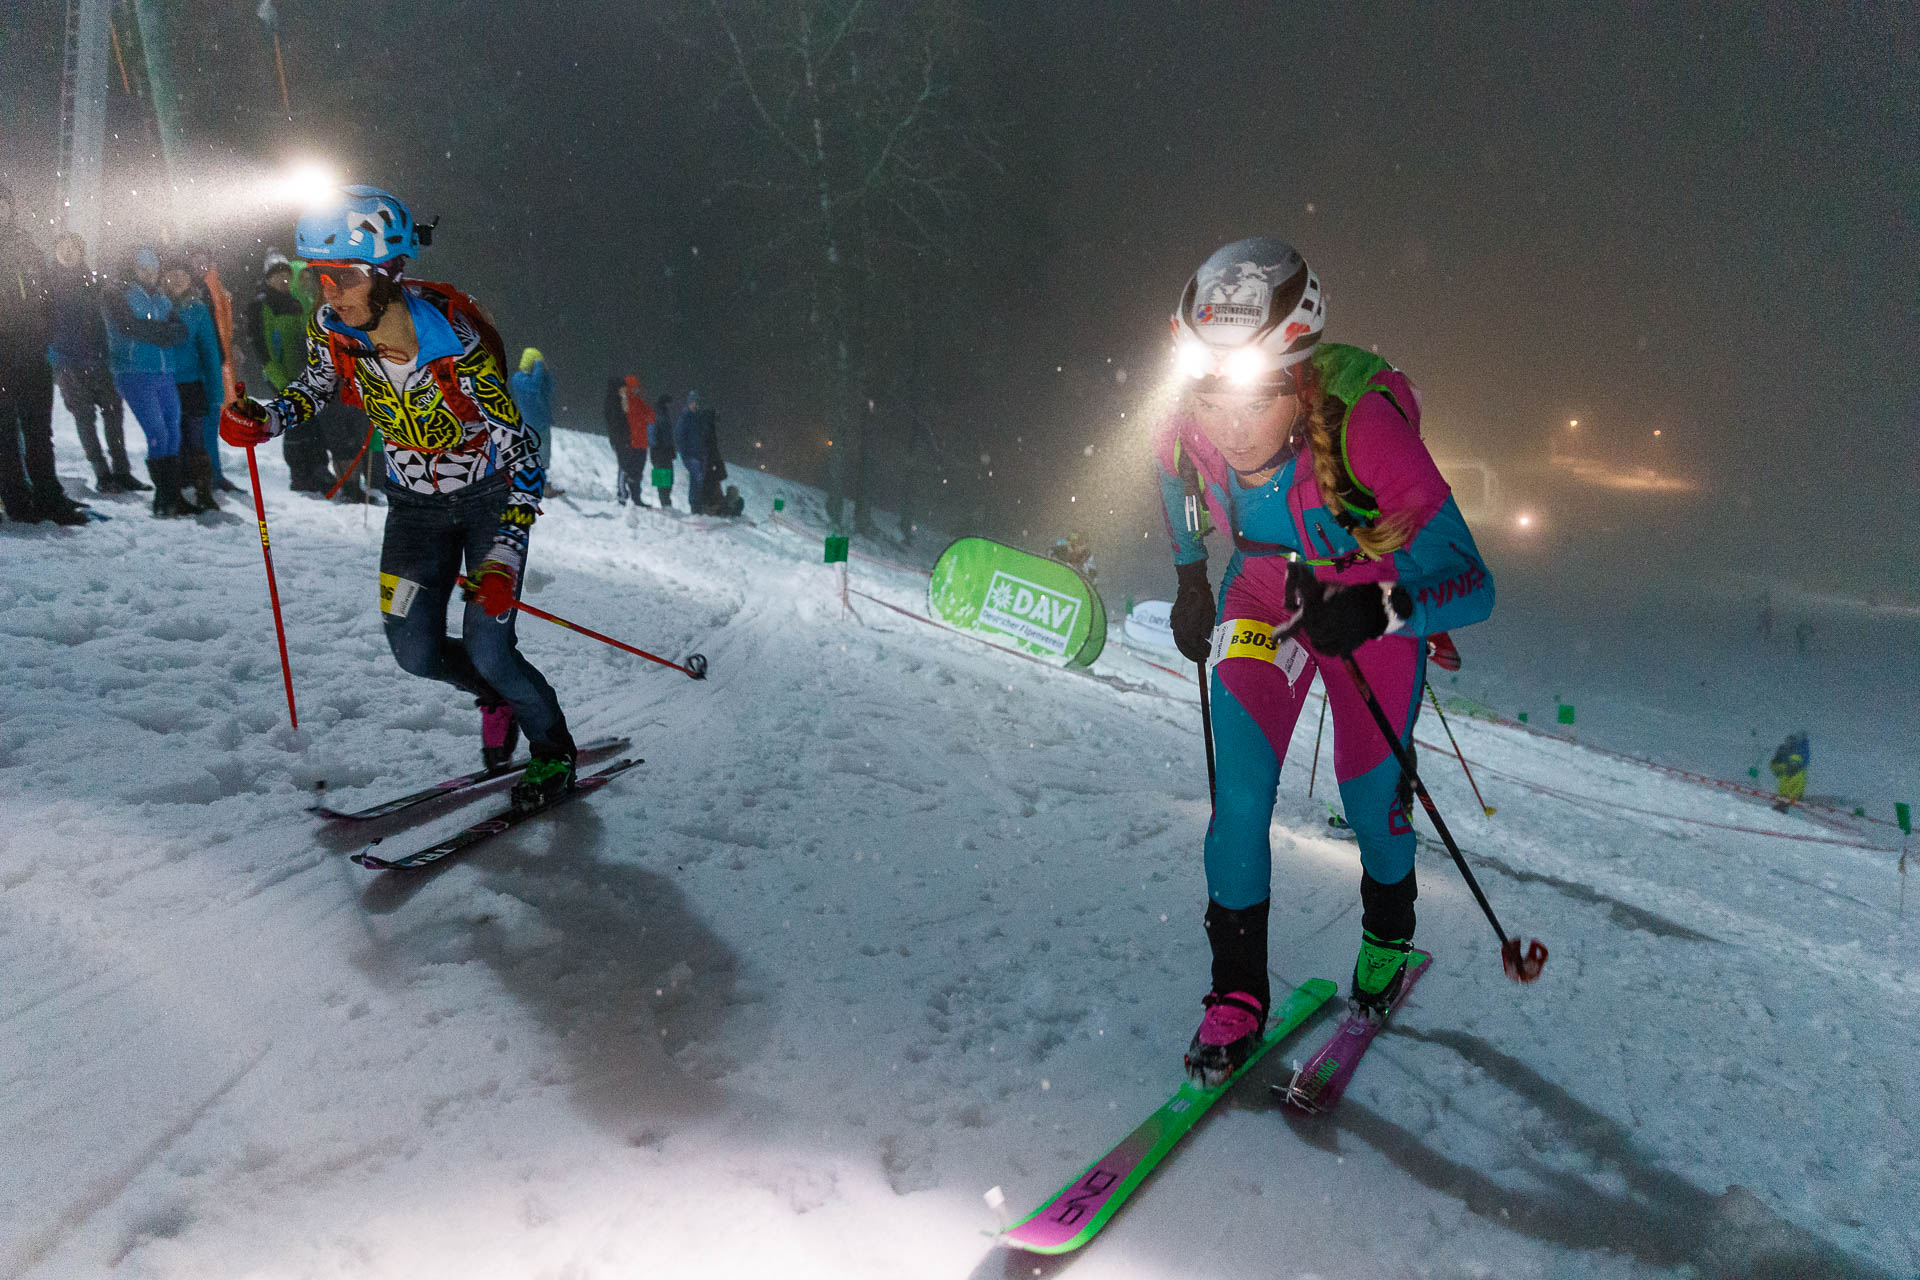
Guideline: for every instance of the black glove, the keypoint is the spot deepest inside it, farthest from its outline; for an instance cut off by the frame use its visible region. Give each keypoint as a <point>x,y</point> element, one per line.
<point>1337,620</point>
<point>1192,617</point>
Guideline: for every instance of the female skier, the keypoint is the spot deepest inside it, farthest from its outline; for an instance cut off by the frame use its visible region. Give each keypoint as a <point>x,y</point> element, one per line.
<point>463,473</point>
<point>1346,542</point>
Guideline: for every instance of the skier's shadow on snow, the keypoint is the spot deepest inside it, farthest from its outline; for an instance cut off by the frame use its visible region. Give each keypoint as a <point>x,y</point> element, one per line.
<point>1663,1219</point>
<point>628,985</point>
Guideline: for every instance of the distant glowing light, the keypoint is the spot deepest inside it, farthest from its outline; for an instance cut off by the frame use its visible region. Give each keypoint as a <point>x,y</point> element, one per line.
<point>1573,424</point>
<point>1656,431</point>
<point>1525,521</point>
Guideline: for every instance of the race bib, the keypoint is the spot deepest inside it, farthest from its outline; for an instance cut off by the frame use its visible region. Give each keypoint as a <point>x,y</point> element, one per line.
<point>396,595</point>
<point>1246,638</point>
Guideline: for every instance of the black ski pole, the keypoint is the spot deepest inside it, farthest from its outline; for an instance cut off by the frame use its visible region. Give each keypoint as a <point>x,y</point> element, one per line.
<point>1206,726</point>
<point>1520,967</point>
<point>1315,771</point>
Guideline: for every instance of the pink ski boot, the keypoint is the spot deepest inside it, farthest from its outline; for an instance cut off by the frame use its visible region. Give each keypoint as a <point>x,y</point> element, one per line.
<point>1227,1037</point>
<point>499,734</point>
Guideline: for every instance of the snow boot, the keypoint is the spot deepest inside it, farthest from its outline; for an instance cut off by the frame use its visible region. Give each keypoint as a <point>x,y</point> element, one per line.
<point>499,733</point>
<point>129,483</point>
<point>548,777</point>
<point>197,471</point>
<point>64,511</point>
<point>167,499</point>
<point>1237,1007</point>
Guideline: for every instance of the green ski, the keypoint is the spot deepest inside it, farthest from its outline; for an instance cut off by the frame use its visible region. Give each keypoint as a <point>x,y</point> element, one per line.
<point>1076,1214</point>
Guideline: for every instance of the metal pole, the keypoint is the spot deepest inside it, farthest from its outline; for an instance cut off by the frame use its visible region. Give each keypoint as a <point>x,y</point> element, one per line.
<point>1206,728</point>
<point>1315,771</point>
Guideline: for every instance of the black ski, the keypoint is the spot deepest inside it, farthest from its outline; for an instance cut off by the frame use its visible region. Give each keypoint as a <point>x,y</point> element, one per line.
<point>505,820</point>
<point>450,786</point>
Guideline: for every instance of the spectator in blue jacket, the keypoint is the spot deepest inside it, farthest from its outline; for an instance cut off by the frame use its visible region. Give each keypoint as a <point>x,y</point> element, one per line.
<point>141,335</point>
<point>533,392</point>
<point>79,354</point>
<point>694,437</point>
<point>197,381</point>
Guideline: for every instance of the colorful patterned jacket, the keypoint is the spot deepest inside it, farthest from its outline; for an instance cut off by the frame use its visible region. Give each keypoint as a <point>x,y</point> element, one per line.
<point>451,423</point>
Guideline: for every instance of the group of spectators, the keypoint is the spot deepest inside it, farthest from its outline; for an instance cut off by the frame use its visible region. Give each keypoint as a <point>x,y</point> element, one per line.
<point>157,339</point>
<point>643,433</point>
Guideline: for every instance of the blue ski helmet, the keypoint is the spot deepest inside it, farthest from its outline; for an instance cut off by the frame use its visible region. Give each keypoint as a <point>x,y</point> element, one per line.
<point>364,224</point>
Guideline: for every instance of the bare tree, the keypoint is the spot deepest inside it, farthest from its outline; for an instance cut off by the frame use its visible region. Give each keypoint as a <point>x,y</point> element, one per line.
<point>860,185</point>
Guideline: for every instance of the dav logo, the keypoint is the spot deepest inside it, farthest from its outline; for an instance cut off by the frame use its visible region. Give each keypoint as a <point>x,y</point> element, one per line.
<point>1030,612</point>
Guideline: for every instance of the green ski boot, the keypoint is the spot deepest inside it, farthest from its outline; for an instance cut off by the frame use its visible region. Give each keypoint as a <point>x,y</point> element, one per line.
<point>1377,973</point>
<point>546,779</point>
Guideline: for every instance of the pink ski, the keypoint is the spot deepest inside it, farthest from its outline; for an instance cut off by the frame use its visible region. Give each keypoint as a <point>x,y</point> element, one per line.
<point>1319,1085</point>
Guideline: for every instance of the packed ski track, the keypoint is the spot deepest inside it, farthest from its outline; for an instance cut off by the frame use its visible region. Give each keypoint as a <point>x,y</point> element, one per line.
<point>886,919</point>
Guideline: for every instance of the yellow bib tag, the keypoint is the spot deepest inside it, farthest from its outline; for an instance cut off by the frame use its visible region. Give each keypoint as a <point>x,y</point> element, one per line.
<point>1247,638</point>
<point>396,595</point>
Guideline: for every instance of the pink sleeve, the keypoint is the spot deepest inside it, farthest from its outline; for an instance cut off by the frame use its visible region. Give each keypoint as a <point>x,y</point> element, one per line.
<point>1387,455</point>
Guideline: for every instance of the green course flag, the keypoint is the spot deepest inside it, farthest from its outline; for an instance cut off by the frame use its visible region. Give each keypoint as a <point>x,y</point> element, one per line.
<point>836,549</point>
<point>1903,814</point>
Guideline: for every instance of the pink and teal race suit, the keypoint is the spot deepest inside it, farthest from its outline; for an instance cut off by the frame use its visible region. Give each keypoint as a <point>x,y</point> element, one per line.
<point>1255,701</point>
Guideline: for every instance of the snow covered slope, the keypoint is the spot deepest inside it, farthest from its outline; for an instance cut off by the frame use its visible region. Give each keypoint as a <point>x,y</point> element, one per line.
<point>887,918</point>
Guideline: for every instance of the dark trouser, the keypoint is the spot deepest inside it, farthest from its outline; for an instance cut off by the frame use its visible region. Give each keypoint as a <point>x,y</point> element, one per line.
<point>86,387</point>
<point>632,480</point>
<point>193,417</point>
<point>337,429</point>
<point>27,481</point>
<point>697,496</point>
<point>428,536</point>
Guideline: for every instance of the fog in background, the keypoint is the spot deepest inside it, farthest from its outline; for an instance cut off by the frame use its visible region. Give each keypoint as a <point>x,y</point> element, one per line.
<point>1700,221</point>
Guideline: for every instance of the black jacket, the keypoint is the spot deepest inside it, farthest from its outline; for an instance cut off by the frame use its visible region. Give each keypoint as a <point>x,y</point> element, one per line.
<point>26,305</point>
<point>79,333</point>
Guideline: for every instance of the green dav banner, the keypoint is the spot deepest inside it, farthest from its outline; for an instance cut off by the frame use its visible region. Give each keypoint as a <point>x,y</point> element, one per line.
<point>1026,602</point>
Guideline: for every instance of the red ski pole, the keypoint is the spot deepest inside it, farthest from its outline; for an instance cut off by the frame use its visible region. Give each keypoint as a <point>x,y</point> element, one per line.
<point>1484,806</point>
<point>266,553</point>
<point>696,666</point>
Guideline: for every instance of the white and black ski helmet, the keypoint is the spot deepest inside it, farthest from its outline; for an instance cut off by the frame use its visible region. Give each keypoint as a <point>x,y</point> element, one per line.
<point>1251,313</point>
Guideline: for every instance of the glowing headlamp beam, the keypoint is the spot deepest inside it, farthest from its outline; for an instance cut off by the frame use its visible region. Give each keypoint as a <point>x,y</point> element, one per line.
<point>307,185</point>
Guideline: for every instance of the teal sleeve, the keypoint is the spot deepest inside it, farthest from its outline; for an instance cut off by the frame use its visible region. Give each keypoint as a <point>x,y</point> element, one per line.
<point>1442,570</point>
<point>1188,546</point>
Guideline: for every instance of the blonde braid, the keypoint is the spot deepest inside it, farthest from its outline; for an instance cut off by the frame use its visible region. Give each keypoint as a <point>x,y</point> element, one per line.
<point>1387,534</point>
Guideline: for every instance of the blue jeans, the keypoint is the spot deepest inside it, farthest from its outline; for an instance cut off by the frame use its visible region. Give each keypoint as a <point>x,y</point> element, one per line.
<point>156,407</point>
<point>427,538</point>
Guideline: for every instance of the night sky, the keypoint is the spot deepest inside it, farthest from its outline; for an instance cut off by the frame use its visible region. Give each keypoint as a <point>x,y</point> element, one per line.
<point>1700,220</point>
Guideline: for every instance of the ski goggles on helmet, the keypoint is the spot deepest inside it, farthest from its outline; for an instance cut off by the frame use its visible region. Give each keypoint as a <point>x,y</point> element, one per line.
<point>342,275</point>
